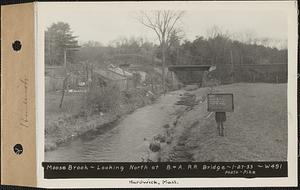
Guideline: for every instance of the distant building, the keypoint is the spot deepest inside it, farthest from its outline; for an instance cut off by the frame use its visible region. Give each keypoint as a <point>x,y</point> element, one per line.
<point>113,75</point>
<point>119,71</point>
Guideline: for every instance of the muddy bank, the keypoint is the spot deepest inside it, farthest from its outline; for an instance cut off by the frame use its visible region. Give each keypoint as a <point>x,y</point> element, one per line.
<point>65,129</point>
<point>189,108</point>
<point>175,131</point>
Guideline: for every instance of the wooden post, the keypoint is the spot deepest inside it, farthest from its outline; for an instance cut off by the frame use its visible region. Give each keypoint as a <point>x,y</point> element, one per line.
<point>220,118</point>
<point>65,87</point>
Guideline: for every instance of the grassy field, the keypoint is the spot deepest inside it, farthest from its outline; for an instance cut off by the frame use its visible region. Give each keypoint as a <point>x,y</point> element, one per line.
<point>255,131</point>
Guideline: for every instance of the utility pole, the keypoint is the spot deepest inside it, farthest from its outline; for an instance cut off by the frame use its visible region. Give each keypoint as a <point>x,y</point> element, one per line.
<point>65,81</point>
<point>65,60</point>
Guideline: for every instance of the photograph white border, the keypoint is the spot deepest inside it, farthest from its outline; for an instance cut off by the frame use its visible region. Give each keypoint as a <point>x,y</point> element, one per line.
<point>289,7</point>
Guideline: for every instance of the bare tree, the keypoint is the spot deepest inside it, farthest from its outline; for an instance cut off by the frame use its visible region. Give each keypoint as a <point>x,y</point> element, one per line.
<point>163,23</point>
<point>282,44</point>
<point>213,32</point>
<point>218,42</point>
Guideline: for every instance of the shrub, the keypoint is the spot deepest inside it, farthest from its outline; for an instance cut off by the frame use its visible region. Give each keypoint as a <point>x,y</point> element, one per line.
<point>104,99</point>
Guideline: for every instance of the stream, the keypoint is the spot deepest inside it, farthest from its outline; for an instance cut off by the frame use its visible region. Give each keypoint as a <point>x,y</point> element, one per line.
<point>123,142</point>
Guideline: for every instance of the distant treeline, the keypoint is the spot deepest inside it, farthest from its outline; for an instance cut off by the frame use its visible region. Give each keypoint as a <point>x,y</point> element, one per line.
<point>235,61</point>
<point>223,50</point>
<point>230,56</point>
<point>269,73</point>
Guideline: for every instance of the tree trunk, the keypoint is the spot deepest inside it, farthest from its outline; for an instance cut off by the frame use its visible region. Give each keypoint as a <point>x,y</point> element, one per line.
<point>163,67</point>
<point>232,67</point>
<point>63,91</point>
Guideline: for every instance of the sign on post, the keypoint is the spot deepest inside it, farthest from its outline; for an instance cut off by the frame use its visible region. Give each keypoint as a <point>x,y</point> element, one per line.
<point>220,102</point>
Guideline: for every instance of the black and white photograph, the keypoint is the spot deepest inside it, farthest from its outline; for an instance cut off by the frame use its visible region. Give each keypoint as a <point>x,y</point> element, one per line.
<point>165,85</point>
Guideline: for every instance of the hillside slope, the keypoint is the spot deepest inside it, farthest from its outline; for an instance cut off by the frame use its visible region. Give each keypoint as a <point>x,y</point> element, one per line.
<point>255,131</point>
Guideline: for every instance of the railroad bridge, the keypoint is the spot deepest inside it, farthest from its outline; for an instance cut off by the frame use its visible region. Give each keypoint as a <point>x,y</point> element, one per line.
<point>190,74</point>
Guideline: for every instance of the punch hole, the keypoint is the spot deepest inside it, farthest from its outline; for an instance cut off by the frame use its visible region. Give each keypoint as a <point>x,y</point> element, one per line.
<point>18,149</point>
<point>17,45</point>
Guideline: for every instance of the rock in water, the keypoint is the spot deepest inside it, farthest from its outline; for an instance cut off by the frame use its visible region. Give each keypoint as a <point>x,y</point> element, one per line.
<point>154,146</point>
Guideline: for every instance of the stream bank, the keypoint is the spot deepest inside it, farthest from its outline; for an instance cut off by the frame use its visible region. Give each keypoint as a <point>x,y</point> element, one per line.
<point>123,141</point>
<point>65,125</point>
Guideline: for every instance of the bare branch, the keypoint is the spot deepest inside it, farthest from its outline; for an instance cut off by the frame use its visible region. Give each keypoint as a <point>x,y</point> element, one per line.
<point>161,22</point>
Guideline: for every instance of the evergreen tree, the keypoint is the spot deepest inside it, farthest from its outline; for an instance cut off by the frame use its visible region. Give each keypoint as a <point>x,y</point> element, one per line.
<point>58,39</point>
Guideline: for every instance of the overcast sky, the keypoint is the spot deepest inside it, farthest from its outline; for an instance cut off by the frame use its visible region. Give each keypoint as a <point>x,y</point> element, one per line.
<point>105,22</point>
